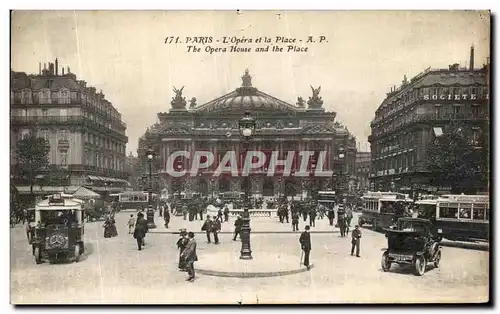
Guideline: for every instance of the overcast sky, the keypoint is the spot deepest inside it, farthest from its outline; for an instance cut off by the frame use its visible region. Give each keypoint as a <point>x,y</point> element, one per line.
<point>123,53</point>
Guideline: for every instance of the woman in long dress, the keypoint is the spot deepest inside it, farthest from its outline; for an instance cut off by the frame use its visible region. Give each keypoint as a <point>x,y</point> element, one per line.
<point>110,227</point>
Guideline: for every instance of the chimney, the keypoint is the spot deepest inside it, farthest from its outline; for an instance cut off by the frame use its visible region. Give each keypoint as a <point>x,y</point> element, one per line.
<point>51,68</point>
<point>39,68</point>
<point>62,68</point>
<point>471,61</point>
<point>57,67</point>
<point>69,70</point>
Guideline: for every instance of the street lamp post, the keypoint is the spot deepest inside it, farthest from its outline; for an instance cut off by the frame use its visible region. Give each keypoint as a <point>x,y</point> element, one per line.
<point>341,157</point>
<point>247,130</point>
<point>150,154</point>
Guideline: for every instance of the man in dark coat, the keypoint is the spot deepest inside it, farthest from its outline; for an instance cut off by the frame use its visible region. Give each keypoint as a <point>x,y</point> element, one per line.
<point>286,212</point>
<point>190,256</point>
<point>304,210</point>
<point>356,239</point>
<point>207,227</point>
<point>305,243</point>
<point>226,213</point>
<point>312,216</point>
<point>181,244</point>
<point>331,216</point>
<point>216,226</point>
<point>219,215</point>
<point>140,231</point>
<point>166,216</point>
<point>237,227</point>
<point>295,220</point>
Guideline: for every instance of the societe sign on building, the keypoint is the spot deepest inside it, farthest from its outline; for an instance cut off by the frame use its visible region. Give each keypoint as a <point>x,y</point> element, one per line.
<point>452,97</point>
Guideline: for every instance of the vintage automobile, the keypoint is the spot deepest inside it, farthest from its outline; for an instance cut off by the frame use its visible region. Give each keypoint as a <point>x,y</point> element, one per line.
<point>30,224</point>
<point>413,241</point>
<point>59,229</point>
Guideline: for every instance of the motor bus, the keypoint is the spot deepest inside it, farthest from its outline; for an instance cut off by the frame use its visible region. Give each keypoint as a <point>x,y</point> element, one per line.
<point>382,209</point>
<point>135,199</point>
<point>458,217</point>
<point>327,198</point>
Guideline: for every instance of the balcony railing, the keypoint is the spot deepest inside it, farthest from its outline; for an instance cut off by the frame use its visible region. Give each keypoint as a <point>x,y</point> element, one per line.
<point>71,119</point>
<point>432,117</point>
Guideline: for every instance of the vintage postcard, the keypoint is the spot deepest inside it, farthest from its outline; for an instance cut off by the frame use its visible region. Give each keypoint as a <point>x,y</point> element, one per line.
<point>249,157</point>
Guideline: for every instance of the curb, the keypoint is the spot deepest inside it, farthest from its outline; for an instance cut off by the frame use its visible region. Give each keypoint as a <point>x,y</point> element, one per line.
<point>252,274</point>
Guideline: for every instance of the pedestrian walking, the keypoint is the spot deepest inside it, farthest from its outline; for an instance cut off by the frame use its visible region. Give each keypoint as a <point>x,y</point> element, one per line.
<point>305,243</point>
<point>190,256</point>
<point>166,216</point>
<point>286,212</point>
<point>181,245</point>
<point>312,217</point>
<point>226,213</point>
<point>356,236</point>
<point>237,227</point>
<point>131,224</point>
<point>207,227</point>
<point>216,227</point>
<point>110,227</point>
<point>144,223</point>
<point>139,232</point>
<point>331,216</point>
<point>295,221</point>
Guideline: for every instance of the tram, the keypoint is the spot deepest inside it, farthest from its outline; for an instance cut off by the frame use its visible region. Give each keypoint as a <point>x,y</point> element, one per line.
<point>458,217</point>
<point>382,209</point>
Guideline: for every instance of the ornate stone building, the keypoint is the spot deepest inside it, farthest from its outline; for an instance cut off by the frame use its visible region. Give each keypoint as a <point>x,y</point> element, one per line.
<point>281,126</point>
<point>85,131</point>
<point>416,113</point>
<point>363,165</point>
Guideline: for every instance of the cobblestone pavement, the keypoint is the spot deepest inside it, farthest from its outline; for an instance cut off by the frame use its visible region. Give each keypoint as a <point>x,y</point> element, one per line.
<point>113,271</point>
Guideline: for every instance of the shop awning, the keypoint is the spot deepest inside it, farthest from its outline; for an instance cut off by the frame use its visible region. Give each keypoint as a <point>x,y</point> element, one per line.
<point>84,193</point>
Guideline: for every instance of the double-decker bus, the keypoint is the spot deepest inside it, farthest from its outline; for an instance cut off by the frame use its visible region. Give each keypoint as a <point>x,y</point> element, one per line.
<point>458,217</point>
<point>382,209</point>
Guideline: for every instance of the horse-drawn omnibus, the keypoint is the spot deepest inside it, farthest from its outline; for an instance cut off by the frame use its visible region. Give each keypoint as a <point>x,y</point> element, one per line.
<point>382,209</point>
<point>458,217</point>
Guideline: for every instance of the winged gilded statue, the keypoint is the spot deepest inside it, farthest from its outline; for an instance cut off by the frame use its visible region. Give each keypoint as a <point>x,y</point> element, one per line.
<point>315,91</point>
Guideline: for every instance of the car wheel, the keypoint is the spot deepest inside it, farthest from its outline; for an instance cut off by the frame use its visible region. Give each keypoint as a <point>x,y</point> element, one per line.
<point>38,256</point>
<point>420,263</point>
<point>386,265</point>
<point>437,259</point>
<point>77,253</point>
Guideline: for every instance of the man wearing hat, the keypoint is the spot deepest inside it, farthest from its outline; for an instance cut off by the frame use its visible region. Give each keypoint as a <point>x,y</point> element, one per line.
<point>207,227</point>
<point>181,244</point>
<point>216,227</point>
<point>140,231</point>
<point>305,243</point>
<point>237,227</point>
<point>189,255</point>
<point>356,236</point>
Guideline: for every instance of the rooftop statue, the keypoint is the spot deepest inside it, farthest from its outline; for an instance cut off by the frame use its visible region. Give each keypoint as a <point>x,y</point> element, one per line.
<point>192,103</point>
<point>247,79</point>
<point>300,102</point>
<point>178,102</point>
<point>315,102</point>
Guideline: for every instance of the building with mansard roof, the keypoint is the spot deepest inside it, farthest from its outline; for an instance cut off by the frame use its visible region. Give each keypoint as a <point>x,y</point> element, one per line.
<point>280,126</point>
<point>416,114</point>
<point>85,131</point>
